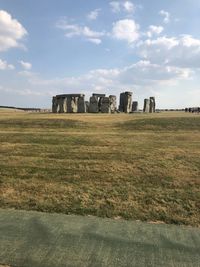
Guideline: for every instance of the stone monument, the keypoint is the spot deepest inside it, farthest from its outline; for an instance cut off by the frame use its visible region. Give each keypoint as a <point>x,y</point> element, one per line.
<point>125,102</point>
<point>69,103</point>
<point>134,106</point>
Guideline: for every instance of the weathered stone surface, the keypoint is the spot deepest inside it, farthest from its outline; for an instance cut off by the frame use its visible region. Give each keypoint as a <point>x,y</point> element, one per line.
<point>134,106</point>
<point>94,107</point>
<point>125,102</point>
<point>105,105</point>
<point>194,110</point>
<point>65,105</point>
<point>81,105</point>
<point>146,105</point>
<point>152,106</point>
<point>74,104</point>
<point>113,103</point>
<point>54,104</point>
<point>101,103</point>
<point>100,99</point>
<point>68,103</point>
<point>87,104</point>
<point>60,105</point>
<point>69,95</point>
<point>98,95</point>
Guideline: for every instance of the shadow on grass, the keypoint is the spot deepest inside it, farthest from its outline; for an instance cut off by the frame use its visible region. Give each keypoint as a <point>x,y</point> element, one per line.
<point>42,123</point>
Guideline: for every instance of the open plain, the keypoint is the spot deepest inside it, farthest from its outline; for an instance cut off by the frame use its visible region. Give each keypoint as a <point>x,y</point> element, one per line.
<point>138,166</point>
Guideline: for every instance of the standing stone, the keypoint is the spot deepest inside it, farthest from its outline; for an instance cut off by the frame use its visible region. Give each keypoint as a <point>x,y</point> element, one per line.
<point>146,105</point>
<point>68,103</point>
<point>105,105</point>
<point>81,104</point>
<point>121,102</point>
<point>128,102</point>
<point>152,107</point>
<point>60,108</point>
<point>113,103</point>
<point>94,107</point>
<point>100,99</point>
<point>134,106</point>
<point>87,105</point>
<point>125,102</point>
<point>74,104</point>
<point>54,105</point>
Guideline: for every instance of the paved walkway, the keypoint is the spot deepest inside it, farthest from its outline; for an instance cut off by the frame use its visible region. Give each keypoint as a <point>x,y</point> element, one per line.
<point>33,239</point>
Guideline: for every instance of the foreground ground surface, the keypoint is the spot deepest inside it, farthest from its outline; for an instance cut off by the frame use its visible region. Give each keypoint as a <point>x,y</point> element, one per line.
<point>138,167</point>
<point>32,239</point>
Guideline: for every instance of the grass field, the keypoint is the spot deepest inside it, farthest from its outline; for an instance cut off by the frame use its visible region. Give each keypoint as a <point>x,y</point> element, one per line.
<point>140,167</point>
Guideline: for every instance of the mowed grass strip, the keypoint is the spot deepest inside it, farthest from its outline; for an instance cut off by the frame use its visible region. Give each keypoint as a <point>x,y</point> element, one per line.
<point>141,167</point>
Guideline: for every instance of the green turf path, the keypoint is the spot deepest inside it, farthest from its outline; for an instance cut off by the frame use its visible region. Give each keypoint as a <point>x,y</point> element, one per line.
<point>33,239</point>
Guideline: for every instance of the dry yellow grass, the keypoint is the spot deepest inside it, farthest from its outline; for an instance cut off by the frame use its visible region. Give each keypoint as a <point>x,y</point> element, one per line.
<point>137,166</point>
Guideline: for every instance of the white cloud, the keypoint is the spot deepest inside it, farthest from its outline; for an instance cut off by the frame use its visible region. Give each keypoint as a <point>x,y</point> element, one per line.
<point>115,6</point>
<point>27,73</point>
<point>93,15</point>
<point>144,72</point>
<point>22,92</point>
<point>139,74</point>
<point>118,6</point>
<point>95,41</point>
<point>5,66</point>
<point>166,16</point>
<point>25,65</point>
<point>154,30</point>
<point>72,30</point>
<point>182,51</point>
<point>143,78</point>
<point>126,29</point>
<point>87,32</point>
<point>11,31</point>
<point>129,6</point>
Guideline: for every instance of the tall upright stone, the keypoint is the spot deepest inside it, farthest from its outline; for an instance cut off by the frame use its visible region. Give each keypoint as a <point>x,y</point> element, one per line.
<point>60,105</point>
<point>146,108</point>
<point>121,102</point>
<point>101,103</point>
<point>105,105</point>
<point>87,105</point>
<point>125,102</point>
<point>65,104</point>
<point>74,104</point>
<point>152,107</point>
<point>54,105</point>
<point>81,104</point>
<point>94,107</point>
<point>113,103</point>
<point>134,106</point>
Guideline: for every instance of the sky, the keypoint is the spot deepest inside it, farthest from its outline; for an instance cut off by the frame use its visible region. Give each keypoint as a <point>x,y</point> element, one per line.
<point>50,47</point>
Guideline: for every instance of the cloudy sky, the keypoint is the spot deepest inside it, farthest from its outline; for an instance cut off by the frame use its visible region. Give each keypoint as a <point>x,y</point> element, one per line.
<point>50,47</point>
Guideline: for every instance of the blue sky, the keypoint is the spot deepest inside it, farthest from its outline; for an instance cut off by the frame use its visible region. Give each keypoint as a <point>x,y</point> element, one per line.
<point>151,48</point>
